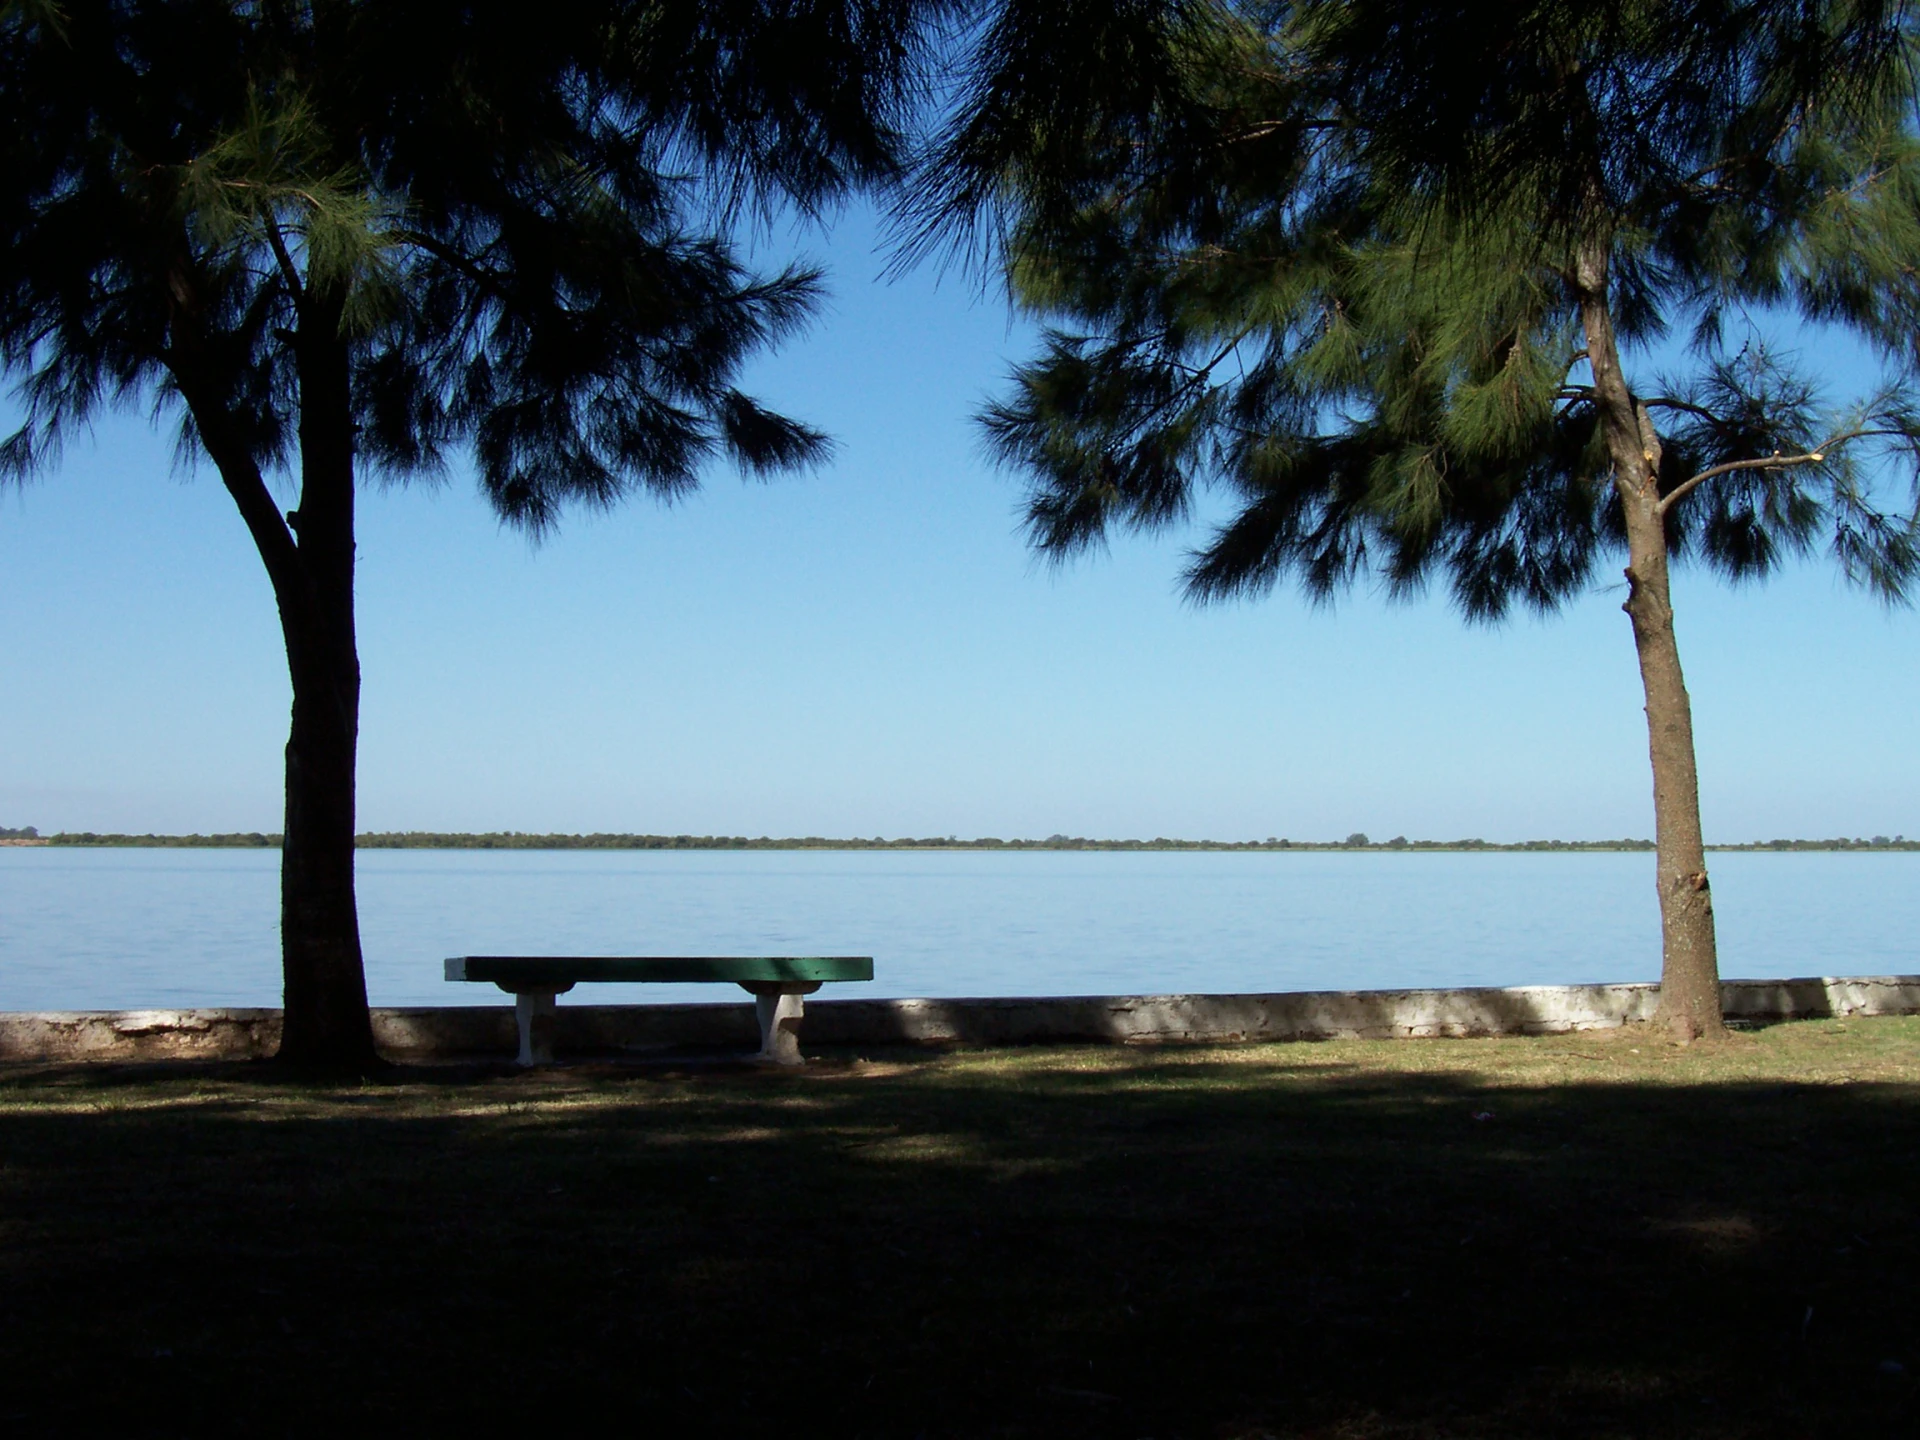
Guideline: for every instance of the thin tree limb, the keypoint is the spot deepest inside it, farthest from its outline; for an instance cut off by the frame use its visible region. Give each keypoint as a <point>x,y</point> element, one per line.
<point>288,270</point>
<point>1667,402</point>
<point>1776,462</point>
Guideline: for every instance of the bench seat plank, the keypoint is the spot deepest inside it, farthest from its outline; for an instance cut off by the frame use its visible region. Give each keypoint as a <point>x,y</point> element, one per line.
<point>533,971</point>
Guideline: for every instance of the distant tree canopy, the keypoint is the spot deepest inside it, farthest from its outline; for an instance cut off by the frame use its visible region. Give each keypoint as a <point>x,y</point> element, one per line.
<point>525,840</point>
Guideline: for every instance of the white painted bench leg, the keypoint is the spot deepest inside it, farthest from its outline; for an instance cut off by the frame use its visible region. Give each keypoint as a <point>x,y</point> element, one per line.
<point>780,1004</point>
<point>780,1026</point>
<point>533,1009</point>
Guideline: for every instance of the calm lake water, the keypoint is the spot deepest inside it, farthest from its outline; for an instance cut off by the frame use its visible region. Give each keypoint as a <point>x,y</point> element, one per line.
<point>110,929</point>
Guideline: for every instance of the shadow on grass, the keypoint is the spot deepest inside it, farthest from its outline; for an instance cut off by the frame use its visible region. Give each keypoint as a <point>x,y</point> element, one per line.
<point>1117,1244</point>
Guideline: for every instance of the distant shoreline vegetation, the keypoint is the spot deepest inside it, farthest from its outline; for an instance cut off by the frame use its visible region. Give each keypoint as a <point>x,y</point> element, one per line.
<point>518,840</point>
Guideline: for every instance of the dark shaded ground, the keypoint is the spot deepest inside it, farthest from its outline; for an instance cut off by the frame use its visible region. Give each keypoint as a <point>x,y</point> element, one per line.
<point>1296,1240</point>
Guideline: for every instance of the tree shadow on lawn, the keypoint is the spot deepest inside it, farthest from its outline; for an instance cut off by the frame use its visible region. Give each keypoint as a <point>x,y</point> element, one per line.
<point>1130,1244</point>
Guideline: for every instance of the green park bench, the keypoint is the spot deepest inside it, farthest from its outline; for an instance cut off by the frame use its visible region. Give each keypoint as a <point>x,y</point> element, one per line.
<point>776,982</point>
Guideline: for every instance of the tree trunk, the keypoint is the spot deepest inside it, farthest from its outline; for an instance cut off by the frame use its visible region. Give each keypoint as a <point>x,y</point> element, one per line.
<point>327,1026</point>
<point>1689,960</point>
<point>309,558</point>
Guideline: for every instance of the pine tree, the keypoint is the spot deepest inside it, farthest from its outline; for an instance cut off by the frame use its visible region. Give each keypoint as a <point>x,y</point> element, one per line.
<point>1388,273</point>
<point>343,238</point>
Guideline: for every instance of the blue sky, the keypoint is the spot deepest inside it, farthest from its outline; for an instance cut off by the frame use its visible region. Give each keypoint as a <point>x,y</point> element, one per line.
<point>870,650</point>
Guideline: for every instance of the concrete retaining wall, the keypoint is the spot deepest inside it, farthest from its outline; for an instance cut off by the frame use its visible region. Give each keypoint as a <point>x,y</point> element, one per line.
<point>442,1032</point>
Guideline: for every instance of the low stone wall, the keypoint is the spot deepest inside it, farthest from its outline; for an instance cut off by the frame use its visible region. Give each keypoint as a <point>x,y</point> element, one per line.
<point>445,1032</point>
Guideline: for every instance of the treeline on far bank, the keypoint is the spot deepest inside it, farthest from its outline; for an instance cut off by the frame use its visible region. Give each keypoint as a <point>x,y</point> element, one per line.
<point>520,840</point>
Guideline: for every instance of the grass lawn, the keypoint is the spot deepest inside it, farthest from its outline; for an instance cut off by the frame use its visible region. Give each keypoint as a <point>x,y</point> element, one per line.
<point>1593,1235</point>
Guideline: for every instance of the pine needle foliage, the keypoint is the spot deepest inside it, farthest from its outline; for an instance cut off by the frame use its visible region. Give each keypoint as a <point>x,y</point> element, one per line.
<point>522,217</point>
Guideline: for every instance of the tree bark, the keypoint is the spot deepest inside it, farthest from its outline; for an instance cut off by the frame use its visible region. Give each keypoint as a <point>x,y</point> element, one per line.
<point>309,558</point>
<point>1689,961</point>
<point>327,1025</point>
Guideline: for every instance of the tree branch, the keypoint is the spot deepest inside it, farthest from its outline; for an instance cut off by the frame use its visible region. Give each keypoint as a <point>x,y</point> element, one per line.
<point>244,482</point>
<point>288,270</point>
<point>186,359</point>
<point>1667,402</point>
<point>458,260</point>
<point>1776,462</point>
<point>1196,377</point>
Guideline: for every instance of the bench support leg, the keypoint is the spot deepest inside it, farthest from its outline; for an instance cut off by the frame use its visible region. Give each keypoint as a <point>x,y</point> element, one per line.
<point>780,1006</point>
<point>533,1009</point>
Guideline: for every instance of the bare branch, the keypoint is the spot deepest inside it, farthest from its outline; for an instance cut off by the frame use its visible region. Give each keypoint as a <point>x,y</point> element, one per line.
<point>1770,462</point>
<point>1778,462</point>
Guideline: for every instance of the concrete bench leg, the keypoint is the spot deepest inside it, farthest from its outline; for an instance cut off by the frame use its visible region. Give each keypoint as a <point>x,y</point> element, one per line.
<point>533,1010</point>
<point>779,1006</point>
